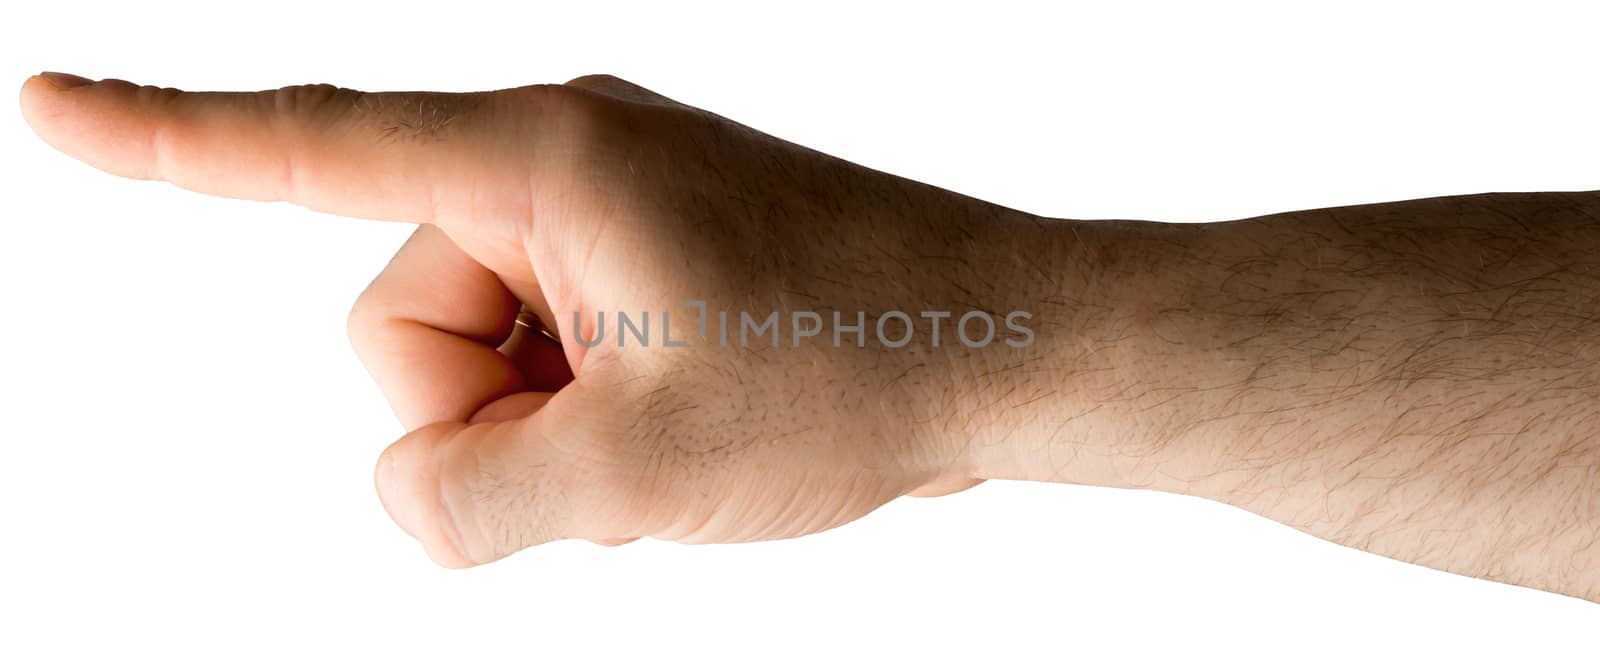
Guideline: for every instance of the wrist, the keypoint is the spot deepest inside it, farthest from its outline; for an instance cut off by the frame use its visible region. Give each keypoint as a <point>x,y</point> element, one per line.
<point>1068,408</point>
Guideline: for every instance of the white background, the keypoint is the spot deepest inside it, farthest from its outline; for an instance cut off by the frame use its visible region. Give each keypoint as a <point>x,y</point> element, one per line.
<point>186,441</point>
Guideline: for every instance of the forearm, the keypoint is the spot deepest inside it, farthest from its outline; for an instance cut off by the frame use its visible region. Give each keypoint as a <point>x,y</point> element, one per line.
<point>1415,379</point>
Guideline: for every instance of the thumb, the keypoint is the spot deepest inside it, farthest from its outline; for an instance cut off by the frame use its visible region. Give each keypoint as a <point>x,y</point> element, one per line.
<point>476,492</point>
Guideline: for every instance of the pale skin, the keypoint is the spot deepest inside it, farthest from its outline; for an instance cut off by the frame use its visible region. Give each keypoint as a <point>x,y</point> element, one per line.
<point>1416,379</point>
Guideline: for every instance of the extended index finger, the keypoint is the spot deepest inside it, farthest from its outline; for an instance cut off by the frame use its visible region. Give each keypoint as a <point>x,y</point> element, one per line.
<point>409,156</point>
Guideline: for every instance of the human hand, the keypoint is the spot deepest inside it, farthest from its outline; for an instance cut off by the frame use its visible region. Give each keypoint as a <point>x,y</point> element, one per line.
<point>598,196</point>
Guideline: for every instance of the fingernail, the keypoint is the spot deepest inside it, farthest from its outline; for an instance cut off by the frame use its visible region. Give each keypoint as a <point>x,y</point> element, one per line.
<point>64,81</point>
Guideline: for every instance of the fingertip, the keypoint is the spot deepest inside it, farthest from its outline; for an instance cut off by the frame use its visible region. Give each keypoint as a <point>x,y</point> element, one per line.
<point>87,120</point>
<point>36,91</point>
<point>42,91</point>
<point>45,110</point>
<point>383,479</point>
<point>42,85</point>
<point>409,489</point>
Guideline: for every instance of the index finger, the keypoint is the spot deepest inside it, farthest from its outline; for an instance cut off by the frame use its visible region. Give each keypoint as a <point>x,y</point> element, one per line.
<point>410,156</point>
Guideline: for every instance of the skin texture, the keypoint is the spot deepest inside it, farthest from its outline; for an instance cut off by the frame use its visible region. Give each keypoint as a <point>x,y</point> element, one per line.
<point>1415,379</point>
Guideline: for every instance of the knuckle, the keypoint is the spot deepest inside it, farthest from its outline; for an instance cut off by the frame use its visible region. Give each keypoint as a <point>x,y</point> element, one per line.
<point>363,319</point>
<point>621,89</point>
<point>308,111</point>
<point>310,100</point>
<point>568,112</point>
<point>592,77</point>
<point>594,81</point>
<point>585,138</point>
<point>549,101</point>
<point>153,96</point>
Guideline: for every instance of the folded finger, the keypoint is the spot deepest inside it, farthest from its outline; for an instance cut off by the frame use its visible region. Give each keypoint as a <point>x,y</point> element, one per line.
<point>428,329</point>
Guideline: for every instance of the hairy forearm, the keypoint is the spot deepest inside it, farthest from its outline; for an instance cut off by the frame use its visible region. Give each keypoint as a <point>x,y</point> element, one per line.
<point>1416,379</point>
